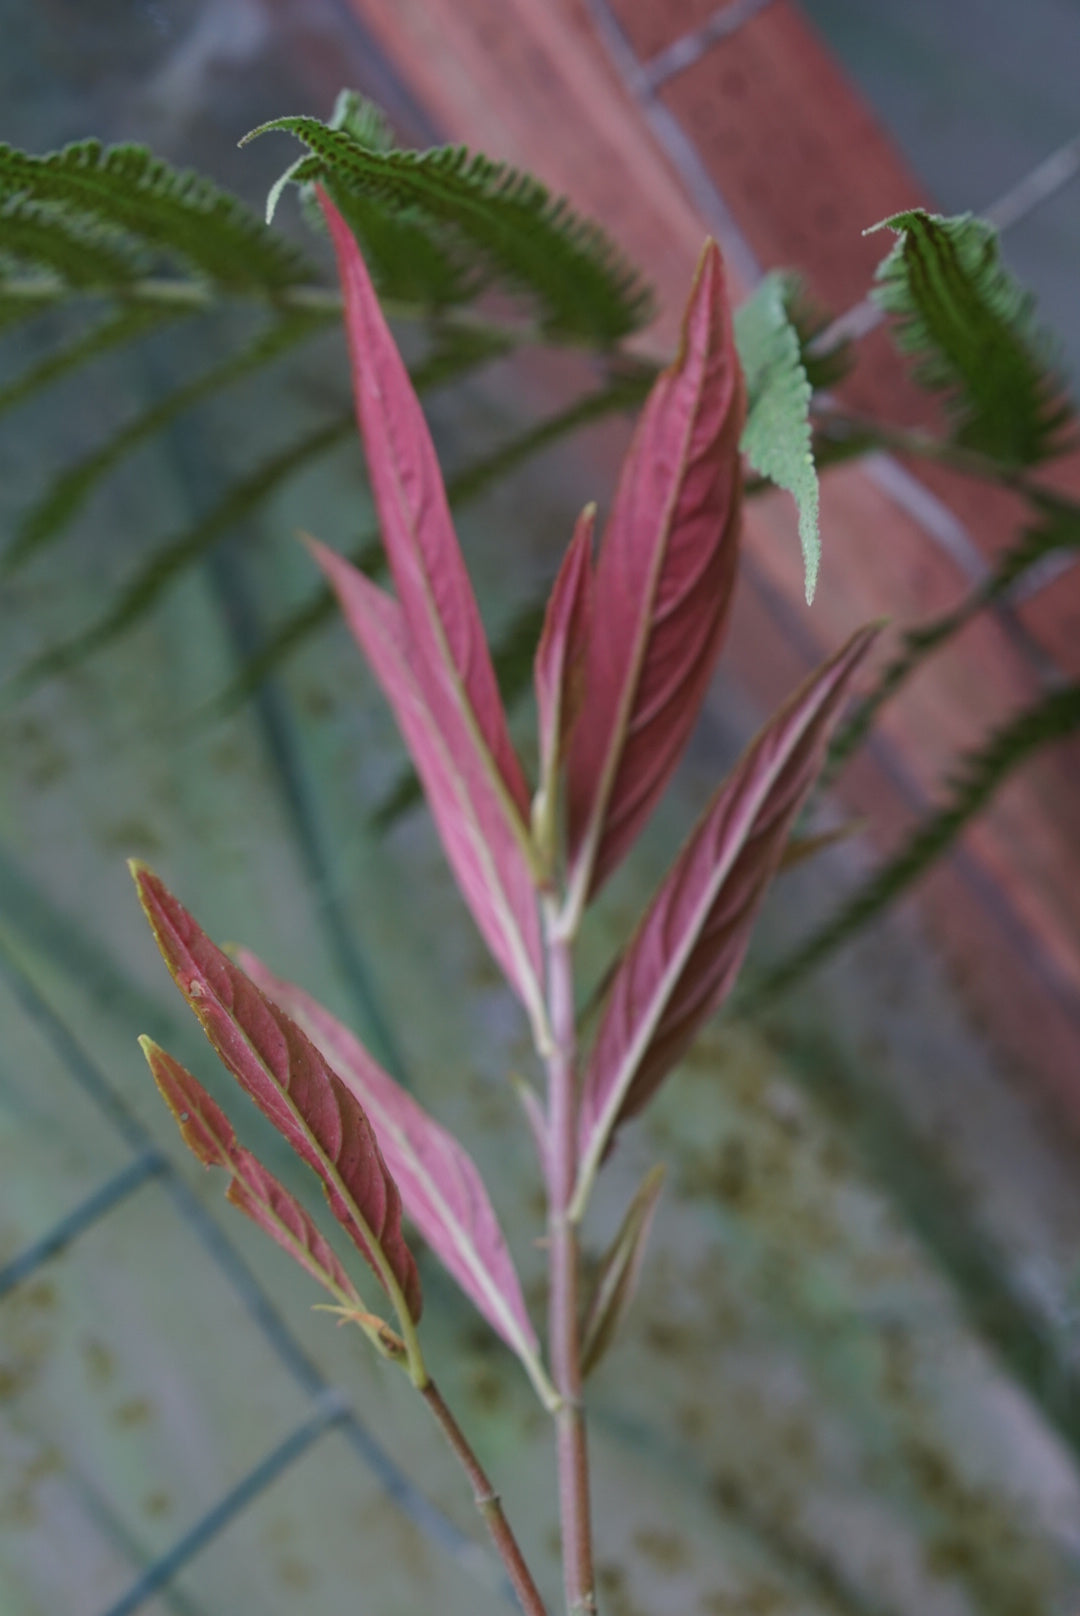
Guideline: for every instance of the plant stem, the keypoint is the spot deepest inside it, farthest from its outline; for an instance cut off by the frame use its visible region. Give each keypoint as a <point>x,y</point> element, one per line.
<point>574,1512</point>
<point>488,1503</point>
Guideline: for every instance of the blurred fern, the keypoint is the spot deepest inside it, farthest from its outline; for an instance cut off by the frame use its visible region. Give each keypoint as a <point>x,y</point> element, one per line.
<point>980,775</point>
<point>133,246</point>
<point>480,223</point>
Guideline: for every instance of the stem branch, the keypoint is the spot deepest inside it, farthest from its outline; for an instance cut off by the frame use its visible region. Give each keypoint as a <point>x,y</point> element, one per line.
<point>488,1503</point>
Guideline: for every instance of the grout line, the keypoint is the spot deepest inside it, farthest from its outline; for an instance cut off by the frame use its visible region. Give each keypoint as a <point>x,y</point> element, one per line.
<point>1040,577</point>
<point>331,1412</point>
<point>690,48</point>
<point>931,513</point>
<point>939,523</point>
<point>1038,186</point>
<point>1038,959</point>
<point>150,1164</point>
<point>677,145</point>
<point>245,1285</point>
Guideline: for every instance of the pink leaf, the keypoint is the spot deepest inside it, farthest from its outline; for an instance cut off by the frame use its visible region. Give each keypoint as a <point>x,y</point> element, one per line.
<point>452,663</point>
<point>441,1189</point>
<point>560,656</point>
<point>482,851</point>
<point>208,1133</point>
<point>687,951</point>
<point>663,588</point>
<point>292,1085</point>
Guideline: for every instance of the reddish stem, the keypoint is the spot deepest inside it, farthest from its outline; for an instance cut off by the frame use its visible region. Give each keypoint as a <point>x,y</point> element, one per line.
<point>574,1507</point>
<point>488,1503</point>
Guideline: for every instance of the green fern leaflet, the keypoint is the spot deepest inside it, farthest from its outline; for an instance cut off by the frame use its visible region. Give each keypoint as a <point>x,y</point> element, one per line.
<point>969,326</point>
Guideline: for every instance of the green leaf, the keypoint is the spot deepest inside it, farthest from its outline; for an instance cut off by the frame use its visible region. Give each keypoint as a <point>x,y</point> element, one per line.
<point>47,520</point>
<point>982,772</point>
<point>969,326</point>
<point>496,224</point>
<point>619,1273</point>
<point>776,439</point>
<point>177,212</point>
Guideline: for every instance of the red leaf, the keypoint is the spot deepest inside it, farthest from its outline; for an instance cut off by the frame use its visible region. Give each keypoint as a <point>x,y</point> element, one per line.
<point>560,656</point>
<point>209,1134</point>
<point>291,1084</point>
<point>686,953</point>
<point>452,662</point>
<point>441,1189</point>
<point>483,853</point>
<point>663,588</point>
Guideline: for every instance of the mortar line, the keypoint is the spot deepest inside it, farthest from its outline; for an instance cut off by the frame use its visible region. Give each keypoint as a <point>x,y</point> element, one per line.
<point>934,517</point>
<point>246,1287</point>
<point>230,1505</point>
<point>691,47</point>
<point>117,1189</point>
<point>676,144</point>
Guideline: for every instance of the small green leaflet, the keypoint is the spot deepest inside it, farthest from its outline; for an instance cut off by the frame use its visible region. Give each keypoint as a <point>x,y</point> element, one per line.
<point>776,439</point>
<point>969,326</point>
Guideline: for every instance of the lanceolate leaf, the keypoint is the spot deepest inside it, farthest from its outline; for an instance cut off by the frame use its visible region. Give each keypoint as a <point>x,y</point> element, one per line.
<point>970,326</point>
<point>441,1190</point>
<point>777,439</point>
<point>207,1132</point>
<point>482,851</point>
<point>559,671</point>
<point>687,951</point>
<point>617,1279</point>
<point>514,660</point>
<point>980,775</point>
<point>293,1086</point>
<point>450,654</point>
<point>560,655</point>
<point>663,587</point>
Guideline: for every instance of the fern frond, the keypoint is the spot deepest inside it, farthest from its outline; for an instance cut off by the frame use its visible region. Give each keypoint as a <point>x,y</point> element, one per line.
<point>982,773</point>
<point>126,325</point>
<point>84,252</point>
<point>622,393</point>
<point>495,221</point>
<point>969,325</point>
<point>461,353</point>
<point>1058,531</point>
<point>777,439</point>
<point>406,260</point>
<point>47,520</point>
<point>167,564</point>
<point>175,212</point>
